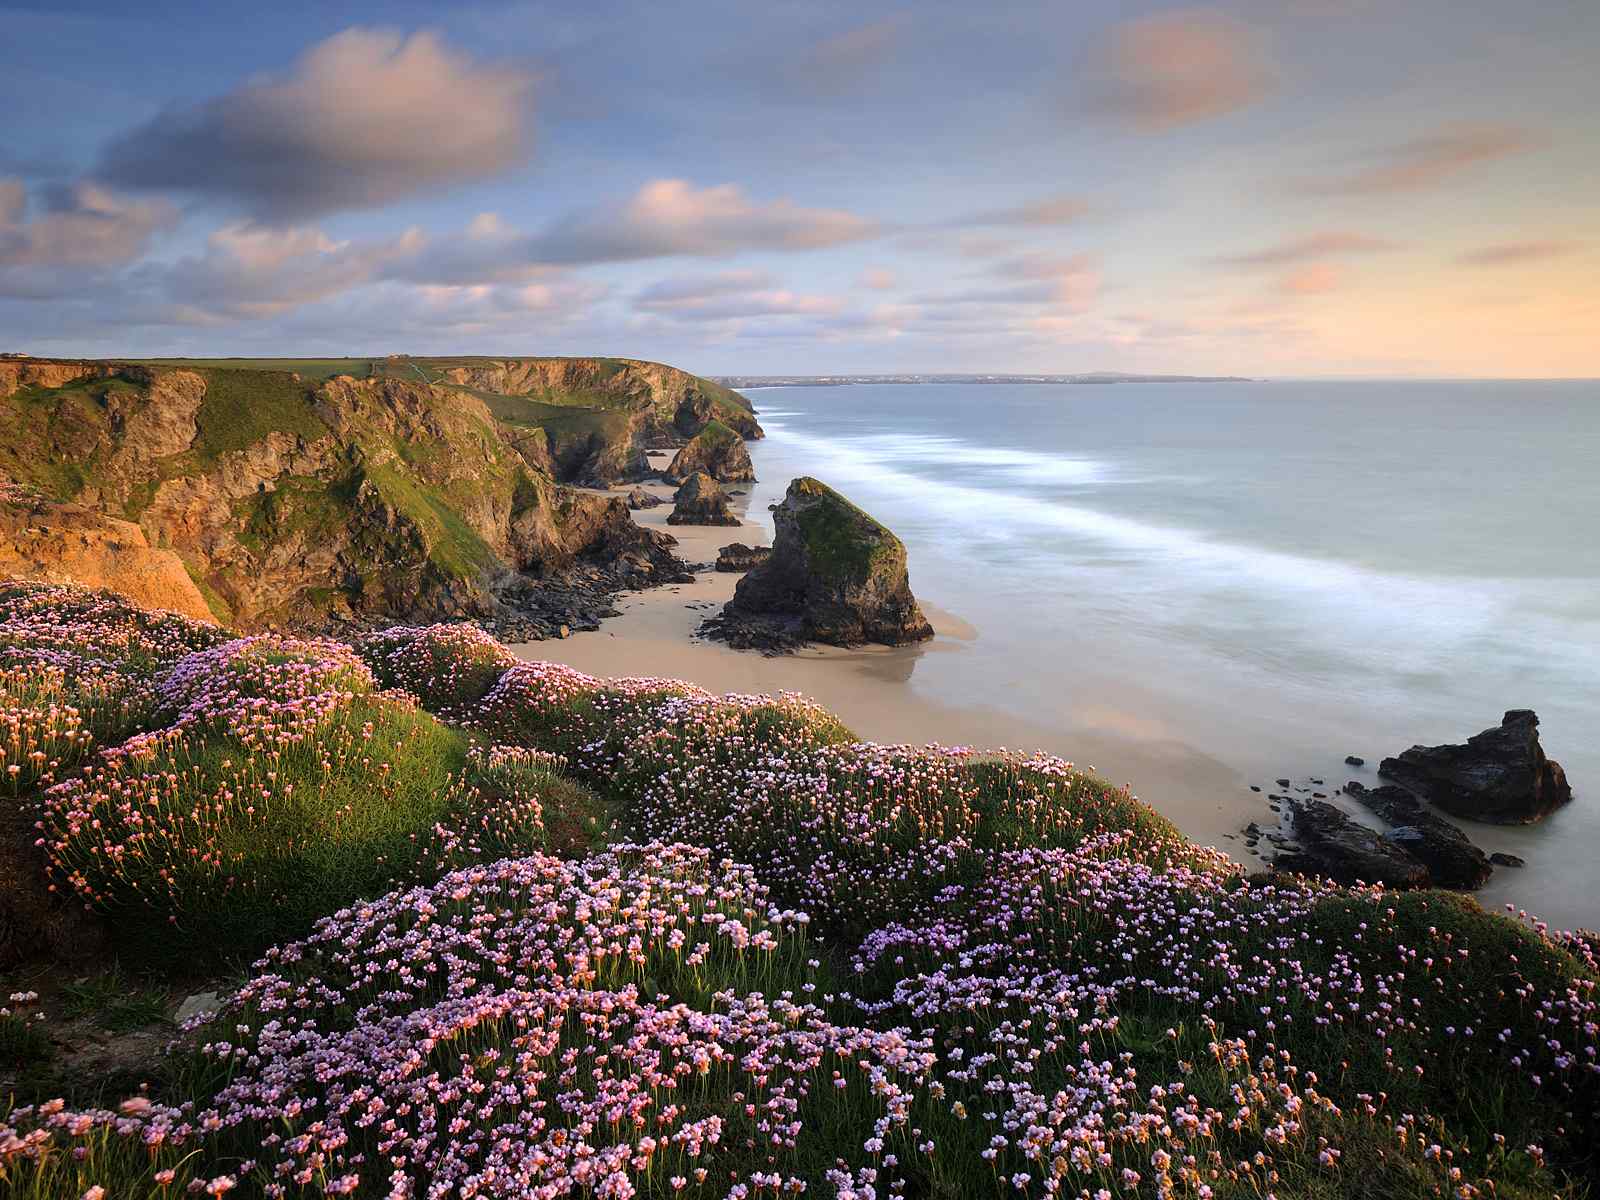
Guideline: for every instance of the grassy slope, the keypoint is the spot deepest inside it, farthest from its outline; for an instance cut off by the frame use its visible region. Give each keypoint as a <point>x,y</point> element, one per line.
<point>712,767</point>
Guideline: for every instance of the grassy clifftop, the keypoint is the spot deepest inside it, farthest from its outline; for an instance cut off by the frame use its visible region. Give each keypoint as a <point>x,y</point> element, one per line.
<point>623,937</point>
<point>343,486</point>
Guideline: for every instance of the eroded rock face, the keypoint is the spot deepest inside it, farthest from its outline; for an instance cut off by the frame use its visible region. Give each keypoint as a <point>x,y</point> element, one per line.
<point>834,575</point>
<point>49,542</point>
<point>701,501</point>
<point>716,450</point>
<point>297,502</point>
<point>1501,775</point>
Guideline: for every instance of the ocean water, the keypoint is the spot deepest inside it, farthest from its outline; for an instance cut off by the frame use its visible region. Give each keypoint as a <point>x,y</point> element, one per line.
<point>1279,574</point>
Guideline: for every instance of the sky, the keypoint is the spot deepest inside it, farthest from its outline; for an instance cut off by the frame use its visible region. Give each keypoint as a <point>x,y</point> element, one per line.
<point>1269,187</point>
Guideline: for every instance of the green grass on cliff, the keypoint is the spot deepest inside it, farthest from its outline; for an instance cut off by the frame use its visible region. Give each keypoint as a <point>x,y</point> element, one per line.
<point>306,368</point>
<point>451,544</point>
<point>243,407</point>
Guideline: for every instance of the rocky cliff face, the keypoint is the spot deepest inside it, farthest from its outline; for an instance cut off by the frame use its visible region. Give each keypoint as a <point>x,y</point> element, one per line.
<point>677,404</point>
<point>834,575</point>
<point>296,501</point>
<point>49,542</point>
<point>716,450</point>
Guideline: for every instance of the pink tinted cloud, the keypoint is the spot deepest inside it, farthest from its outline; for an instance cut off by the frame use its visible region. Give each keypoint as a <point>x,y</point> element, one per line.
<point>1312,279</point>
<point>1509,254</point>
<point>1427,161</point>
<point>1310,246</point>
<point>1182,66</point>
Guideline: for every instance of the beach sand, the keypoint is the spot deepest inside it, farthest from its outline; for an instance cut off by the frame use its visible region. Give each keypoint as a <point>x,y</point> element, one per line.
<point>874,691</point>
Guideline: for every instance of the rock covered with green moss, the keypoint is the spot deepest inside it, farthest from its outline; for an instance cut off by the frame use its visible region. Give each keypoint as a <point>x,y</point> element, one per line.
<point>835,575</point>
<point>716,450</point>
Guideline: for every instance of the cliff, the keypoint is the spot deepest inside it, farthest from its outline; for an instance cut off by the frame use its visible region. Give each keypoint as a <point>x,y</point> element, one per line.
<point>66,543</point>
<point>296,499</point>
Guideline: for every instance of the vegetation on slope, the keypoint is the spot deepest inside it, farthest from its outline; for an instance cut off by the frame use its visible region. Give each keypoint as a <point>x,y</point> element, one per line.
<point>807,964</point>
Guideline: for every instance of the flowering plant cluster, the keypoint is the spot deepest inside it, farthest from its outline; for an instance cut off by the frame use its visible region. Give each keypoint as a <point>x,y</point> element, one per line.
<point>817,966</point>
<point>447,667</point>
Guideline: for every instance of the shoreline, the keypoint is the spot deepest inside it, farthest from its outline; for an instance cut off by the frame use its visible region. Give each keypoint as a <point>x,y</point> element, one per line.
<point>1209,791</point>
<point>873,690</point>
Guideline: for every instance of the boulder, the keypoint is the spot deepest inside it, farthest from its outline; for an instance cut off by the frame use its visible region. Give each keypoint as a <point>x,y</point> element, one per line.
<point>701,501</point>
<point>639,498</point>
<point>834,575</point>
<point>739,557</point>
<point>1449,855</point>
<point>1501,775</point>
<point>1346,851</point>
<point>716,450</point>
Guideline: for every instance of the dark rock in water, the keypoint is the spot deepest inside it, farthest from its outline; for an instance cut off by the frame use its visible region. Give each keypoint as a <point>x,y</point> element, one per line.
<point>639,498</point>
<point>701,501</point>
<point>1352,760</point>
<point>1501,859</point>
<point>1348,852</point>
<point>834,575</point>
<point>716,450</point>
<point>739,557</point>
<point>1501,775</point>
<point>1449,855</point>
<point>1254,788</point>
<point>1283,783</point>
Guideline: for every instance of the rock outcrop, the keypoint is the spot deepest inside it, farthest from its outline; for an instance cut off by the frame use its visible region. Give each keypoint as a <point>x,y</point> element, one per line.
<point>701,501</point>
<point>716,450</point>
<point>1346,851</point>
<point>1500,775</point>
<point>592,419</point>
<point>49,542</point>
<point>297,501</point>
<point>739,557</point>
<point>1450,856</point>
<point>638,499</point>
<point>834,575</point>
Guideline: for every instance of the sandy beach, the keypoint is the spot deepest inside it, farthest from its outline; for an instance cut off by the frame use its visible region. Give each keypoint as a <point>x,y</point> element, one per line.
<point>874,691</point>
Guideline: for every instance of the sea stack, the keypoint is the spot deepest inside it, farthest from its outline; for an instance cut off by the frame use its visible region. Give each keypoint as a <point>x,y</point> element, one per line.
<point>716,450</point>
<point>1501,775</point>
<point>835,575</point>
<point>701,501</point>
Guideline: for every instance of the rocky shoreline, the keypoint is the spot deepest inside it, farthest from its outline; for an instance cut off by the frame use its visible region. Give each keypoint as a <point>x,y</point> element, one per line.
<point>1500,776</point>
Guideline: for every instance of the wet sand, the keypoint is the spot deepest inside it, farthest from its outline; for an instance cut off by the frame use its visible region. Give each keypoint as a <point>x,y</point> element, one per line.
<point>873,690</point>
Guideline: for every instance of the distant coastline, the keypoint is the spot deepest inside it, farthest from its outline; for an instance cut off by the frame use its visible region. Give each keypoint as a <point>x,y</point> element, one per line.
<point>765,381</point>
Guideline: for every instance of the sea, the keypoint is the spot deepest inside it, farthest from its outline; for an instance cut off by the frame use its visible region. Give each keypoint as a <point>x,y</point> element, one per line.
<point>1277,573</point>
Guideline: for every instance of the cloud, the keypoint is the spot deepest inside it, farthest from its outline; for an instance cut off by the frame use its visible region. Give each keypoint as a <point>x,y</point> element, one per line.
<point>1425,162</point>
<point>844,60</point>
<point>1310,280</point>
<point>362,119</point>
<point>879,279</point>
<point>1053,210</point>
<point>252,271</point>
<point>729,296</point>
<point>1072,283</point>
<point>1309,246</point>
<point>1507,254</point>
<point>1178,67</point>
<point>79,225</point>
<point>672,217</point>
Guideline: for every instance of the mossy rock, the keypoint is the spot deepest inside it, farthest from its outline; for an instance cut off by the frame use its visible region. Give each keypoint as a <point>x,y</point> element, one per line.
<point>835,575</point>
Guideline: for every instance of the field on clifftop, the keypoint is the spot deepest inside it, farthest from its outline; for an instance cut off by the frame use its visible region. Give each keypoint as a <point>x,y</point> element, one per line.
<point>483,927</point>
